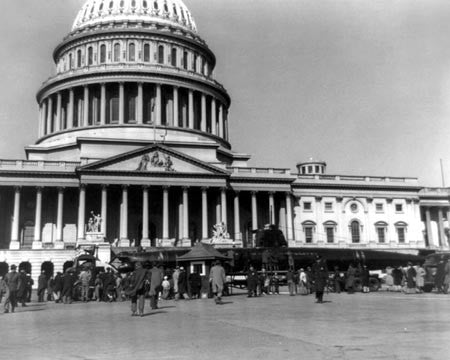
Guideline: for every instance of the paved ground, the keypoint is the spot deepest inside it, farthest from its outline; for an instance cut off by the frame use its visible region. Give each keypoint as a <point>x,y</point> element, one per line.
<point>360,326</point>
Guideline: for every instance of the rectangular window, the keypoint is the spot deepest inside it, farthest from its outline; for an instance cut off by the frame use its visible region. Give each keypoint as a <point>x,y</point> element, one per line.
<point>330,235</point>
<point>381,235</point>
<point>401,235</point>
<point>398,208</point>
<point>308,234</point>
<point>306,206</point>
<point>328,206</point>
<point>379,207</point>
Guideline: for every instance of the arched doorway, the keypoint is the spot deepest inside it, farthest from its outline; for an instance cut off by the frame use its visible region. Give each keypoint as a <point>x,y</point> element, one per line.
<point>26,266</point>
<point>355,231</point>
<point>4,267</point>
<point>47,267</point>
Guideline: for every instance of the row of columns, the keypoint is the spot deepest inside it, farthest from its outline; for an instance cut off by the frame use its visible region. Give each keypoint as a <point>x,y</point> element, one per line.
<point>221,213</point>
<point>48,120</point>
<point>442,238</point>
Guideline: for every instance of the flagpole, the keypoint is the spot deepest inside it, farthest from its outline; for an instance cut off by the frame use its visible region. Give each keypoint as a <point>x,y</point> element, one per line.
<point>442,173</point>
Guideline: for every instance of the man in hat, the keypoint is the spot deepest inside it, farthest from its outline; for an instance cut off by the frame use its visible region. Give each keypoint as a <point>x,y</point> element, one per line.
<point>156,277</point>
<point>218,279</point>
<point>183,284</point>
<point>12,281</point>
<point>410,279</point>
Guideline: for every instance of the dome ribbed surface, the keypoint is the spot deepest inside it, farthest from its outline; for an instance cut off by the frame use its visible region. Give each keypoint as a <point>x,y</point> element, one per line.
<point>164,12</point>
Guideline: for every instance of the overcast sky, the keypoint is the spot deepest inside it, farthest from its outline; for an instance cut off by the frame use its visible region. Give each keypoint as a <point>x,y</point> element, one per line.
<point>362,85</point>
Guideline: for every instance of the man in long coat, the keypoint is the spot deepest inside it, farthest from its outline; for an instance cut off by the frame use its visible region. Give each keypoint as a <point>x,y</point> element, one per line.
<point>12,280</point>
<point>136,289</point>
<point>22,290</point>
<point>252,281</point>
<point>218,279</point>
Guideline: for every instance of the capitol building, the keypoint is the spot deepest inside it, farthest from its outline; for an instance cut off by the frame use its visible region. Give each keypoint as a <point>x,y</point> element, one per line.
<point>133,149</point>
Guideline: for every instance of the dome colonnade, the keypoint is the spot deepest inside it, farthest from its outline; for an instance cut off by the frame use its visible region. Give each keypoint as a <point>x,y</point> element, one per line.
<point>146,67</point>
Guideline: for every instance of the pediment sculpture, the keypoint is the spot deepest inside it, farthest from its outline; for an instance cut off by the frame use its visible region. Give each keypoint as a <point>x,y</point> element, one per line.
<point>156,160</point>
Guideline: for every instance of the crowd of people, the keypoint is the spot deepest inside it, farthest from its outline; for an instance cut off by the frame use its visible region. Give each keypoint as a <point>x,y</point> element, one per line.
<point>158,283</point>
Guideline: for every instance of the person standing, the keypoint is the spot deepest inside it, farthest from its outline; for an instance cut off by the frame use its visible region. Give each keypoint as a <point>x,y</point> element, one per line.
<point>420,278</point>
<point>290,281</point>
<point>4,293</point>
<point>410,279</point>
<point>136,289</point>
<point>42,286</point>
<point>350,280</point>
<point>365,279</point>
<point>68,281</point>
<point>30,283</point>
<point>218,279</point>
<point>175,277</point>
<point>85,279</point>
<point>22,290</point>
<point>252,281</point>
<point>156,278</point>
<point>303,282</point>
<point>195,282</point>
<point>12,281</point>
<point>447,276</point>
<point>397,275</point>
<point>57,287</point>
<point>320,276</point>
<point>440,275</point>
<point>183,284</point>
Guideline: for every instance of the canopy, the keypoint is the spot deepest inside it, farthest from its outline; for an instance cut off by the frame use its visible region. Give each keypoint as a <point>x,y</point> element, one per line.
<point>202,251</point>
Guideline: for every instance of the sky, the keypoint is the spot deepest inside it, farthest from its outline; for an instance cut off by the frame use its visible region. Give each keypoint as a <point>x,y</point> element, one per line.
<point>362,85</point>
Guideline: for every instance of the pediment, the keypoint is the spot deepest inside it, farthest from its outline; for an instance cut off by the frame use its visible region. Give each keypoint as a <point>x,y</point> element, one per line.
<point>153,159</point>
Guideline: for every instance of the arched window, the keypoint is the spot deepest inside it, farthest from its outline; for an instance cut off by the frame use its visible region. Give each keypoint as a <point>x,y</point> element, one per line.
<point>100,8</point>
<point>133,3</point>
<point>90,55</point>
<point>155,5</point>
<point>102,54</point>
<point>132,52</point>
<point>116,52</point>
<point>355,230</point>
<point>185,59</point>
<point>174,57</point>
<point>166,8</point>
<point>111,4</point>
<point>175,10</point>
<point>146,52</point>
<point>70,61</point>
<point>160,54</point>
<point>78,58</point>
<point>144,4</point>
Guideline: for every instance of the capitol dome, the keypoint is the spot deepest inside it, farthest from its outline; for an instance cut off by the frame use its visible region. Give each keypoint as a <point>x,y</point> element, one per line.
<point>164,12</point>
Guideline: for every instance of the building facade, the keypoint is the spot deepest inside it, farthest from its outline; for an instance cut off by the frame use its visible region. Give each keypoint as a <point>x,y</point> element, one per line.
<point>133,149</point>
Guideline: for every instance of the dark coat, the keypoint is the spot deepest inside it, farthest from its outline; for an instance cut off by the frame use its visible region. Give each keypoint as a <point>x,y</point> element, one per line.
<point>365,276</point>
<point>68,281</point>
<point>320,276</point>
<point>42,282</point>
<point>182,282</point>
<point>137,281</point>
<point>252,279</point>
<point>57,286</point>
<point>23,281</point>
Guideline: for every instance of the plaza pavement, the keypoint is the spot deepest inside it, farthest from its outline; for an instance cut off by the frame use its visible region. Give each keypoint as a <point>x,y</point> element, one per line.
<point>360,326</point>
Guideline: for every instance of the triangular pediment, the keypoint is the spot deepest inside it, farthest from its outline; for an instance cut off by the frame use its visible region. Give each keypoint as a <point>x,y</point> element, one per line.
<point>153,159</point>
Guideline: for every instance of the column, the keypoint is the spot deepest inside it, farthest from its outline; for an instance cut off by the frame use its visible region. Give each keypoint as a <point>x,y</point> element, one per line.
<point>442,238</point>
<point>41,121</point>
<point>223,203</point>
<point>70,111</point>
<point>221,120</point>
<point>59,215</point>
<point>180,219</point>
<point>103,104</point>
<point>213,117</point>
<point>15,245</point>
<point>140,104</point>
<point>191,109</point>
<point>124,218</point>
<point>145,242</point>
<point>37,242</point>
<point>44,118</point>
<point>428,227</point>
<point>121,103</point>
<point>289,223</point>
<point>58,112</point>
<point>185,214</point>
<point>165,213</point>
<point>104,210</point>
<point>176,116</point>
<point>85,121</point>
<point>225,125</point>
<point>204,213</point>
<point>237,218</point>
<point>203,119</point>
<point>254,216</point>
<point>49,115</point>
<point>158,104</point>
<point>81,211</point>
<point>271,208</point>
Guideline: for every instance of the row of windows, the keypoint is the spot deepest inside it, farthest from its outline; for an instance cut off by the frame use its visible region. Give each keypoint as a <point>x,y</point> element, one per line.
<point>149,53</point>
<point>379,207</point>
<point>355,232</point>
